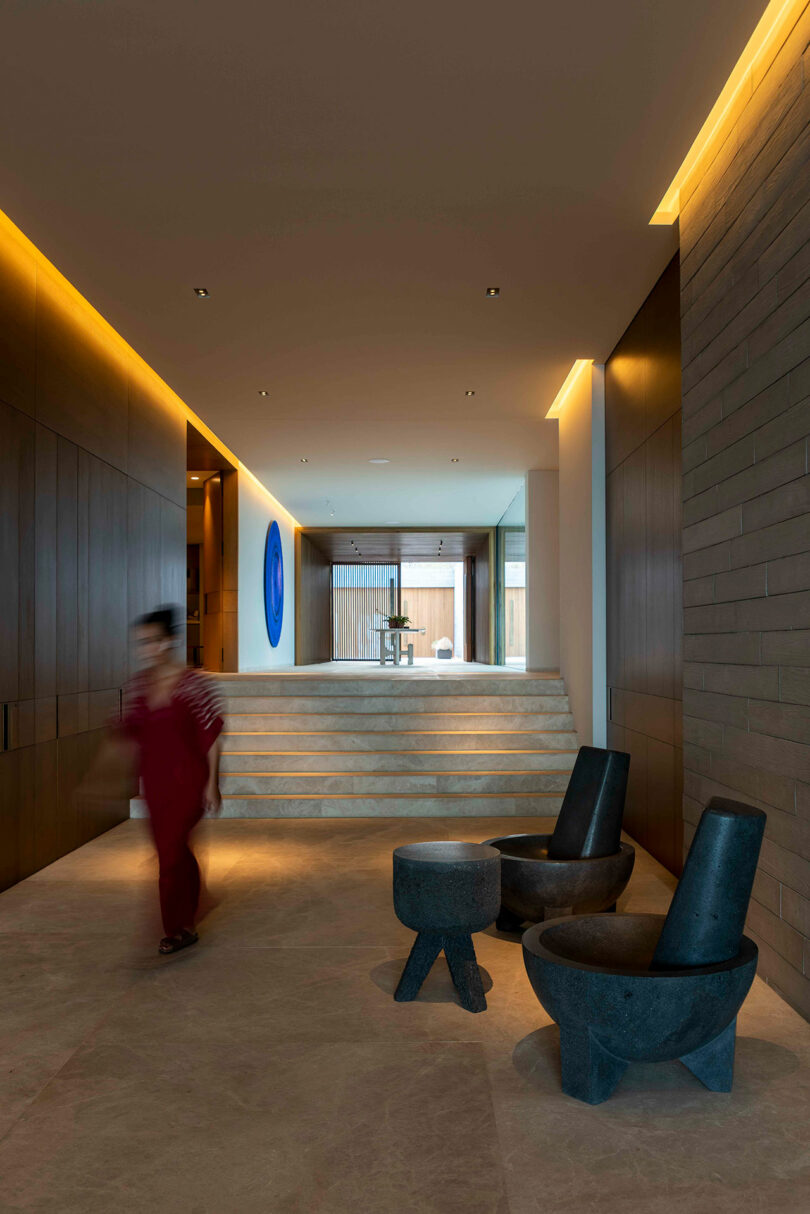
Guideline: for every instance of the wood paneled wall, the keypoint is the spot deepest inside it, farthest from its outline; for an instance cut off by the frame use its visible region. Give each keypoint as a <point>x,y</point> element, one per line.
<point>313,603</point>
<point>643,443</point>
<point>92,494</point>
<point>484,600</point>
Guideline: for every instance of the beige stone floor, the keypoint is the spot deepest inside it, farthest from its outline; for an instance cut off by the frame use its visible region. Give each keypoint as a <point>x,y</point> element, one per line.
<point>269,1069</point>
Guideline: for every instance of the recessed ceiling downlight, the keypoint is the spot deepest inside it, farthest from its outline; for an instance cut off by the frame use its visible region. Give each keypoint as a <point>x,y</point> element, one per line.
<point>493,292</point>
<point>201,292</point>
<point>470,392</point>
<point>263,392</point>
<point>379,460</point>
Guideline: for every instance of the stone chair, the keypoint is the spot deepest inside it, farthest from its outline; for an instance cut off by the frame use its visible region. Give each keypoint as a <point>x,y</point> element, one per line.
<point>583,865</point>
<point>652,988</point>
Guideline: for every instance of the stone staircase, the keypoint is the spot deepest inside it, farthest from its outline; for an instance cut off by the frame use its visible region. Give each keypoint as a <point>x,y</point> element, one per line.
<point>300,745</point>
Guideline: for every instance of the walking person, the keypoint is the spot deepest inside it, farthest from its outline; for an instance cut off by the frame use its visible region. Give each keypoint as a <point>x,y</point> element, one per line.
<point>172,715</point>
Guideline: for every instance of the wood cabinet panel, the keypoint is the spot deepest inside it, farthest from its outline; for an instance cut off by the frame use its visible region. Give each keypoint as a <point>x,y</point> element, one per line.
<point>17,328</point>
<point>67,568</point>
<point>107,564</point>
<point>16,481</point>
<point>9,818</point>
<point>81,379</point>
<point>172,553</point>
<point>156,438</point>
<point>143,551</point>
<point>484,569</point>
<point>45,609</point>
<point>313,623</point>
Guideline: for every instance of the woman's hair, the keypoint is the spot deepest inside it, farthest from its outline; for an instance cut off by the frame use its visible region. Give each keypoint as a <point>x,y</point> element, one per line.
<point>167,618</point>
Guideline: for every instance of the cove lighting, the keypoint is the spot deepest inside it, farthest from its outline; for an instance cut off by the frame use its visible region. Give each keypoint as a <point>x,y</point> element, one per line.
<point>760,51</point>
<point>81,313</point>
<point>565,391</point>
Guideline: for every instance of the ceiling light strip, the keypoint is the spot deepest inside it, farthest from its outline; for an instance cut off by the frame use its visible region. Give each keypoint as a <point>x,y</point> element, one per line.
<point>761,50</point>
<point>565,391</point>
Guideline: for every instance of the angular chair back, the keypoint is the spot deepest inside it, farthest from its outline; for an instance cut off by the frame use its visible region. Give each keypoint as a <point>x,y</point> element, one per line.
<point>590,821</point>
<point>706,917</point>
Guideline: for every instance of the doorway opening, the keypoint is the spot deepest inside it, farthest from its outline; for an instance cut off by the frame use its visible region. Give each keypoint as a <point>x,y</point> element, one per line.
<point>211,556</point>
<point>348,581</point>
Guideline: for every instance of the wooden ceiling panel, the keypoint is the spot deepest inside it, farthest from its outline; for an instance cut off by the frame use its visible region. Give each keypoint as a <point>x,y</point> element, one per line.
<point>372,545</point>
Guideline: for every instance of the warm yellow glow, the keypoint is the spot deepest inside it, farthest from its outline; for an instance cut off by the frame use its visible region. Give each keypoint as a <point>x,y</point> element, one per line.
<point>760,51</point>
<point>100,332</point>
<point>570,380</point>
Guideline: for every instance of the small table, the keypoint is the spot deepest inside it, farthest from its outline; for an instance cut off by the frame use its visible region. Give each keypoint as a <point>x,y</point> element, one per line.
<point>395,633</point>
<point>445,891</point>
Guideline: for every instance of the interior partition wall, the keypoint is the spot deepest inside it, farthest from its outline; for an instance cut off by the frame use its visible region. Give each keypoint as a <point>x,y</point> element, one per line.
<point>92,496</point>
<point>362,597</point>
<point>643,558</point>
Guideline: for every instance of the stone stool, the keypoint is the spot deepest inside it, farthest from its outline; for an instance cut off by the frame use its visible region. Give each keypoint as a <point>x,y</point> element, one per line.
<point>646,988</point>
<point>445,892</point>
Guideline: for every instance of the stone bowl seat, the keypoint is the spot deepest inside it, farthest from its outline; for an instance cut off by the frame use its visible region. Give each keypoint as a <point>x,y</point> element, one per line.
<point>595,977</point>
<point>655,988</point>
<point>535,886</point>
<point>583,865</point>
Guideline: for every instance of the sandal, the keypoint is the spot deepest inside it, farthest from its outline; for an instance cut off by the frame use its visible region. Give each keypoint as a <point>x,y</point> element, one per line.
<point>173,944</point>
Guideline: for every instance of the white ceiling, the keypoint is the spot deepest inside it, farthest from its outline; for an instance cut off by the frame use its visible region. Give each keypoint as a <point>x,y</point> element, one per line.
<point>346,179</point>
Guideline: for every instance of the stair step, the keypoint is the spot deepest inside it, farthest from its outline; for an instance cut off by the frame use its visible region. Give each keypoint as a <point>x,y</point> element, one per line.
<point>397,761</point>
<point>350,722</point>
<point>371,703</point>
<point>464,805</point>
<point>332,740</point>
<point>428,783</point>
<point>396,684</point>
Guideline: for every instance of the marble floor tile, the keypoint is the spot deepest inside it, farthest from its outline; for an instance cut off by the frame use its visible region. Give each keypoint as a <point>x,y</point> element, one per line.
<point>151,1126</point>
<point>269,1068</point>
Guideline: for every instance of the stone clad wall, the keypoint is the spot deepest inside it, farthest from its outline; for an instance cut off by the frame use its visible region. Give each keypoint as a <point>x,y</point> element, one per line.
<point>745,305</point>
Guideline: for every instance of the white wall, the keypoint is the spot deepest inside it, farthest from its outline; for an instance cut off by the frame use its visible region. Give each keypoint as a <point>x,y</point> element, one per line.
<point>257,509</point>
<point>583,641</point>
<point>542,570</point>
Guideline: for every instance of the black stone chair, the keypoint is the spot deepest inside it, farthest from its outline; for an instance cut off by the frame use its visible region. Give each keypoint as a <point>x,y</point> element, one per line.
<point>583,865</point>
<point>445,892</point>
<point>651,988</point>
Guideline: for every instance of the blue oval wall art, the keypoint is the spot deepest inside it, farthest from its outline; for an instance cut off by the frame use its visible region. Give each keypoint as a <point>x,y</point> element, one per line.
<point>273,583</point>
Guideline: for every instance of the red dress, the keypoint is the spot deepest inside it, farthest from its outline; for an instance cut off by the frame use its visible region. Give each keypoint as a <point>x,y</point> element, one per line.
<point>173,744</point>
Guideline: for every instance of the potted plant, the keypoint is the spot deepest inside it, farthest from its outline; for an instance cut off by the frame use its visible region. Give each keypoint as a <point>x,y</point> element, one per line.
<point>398,621</point>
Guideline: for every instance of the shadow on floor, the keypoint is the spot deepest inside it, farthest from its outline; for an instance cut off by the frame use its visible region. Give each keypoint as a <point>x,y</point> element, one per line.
<point>437,988</point>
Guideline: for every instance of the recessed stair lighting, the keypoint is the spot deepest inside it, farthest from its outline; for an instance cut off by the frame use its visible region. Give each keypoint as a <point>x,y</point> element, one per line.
<point>201,292</point>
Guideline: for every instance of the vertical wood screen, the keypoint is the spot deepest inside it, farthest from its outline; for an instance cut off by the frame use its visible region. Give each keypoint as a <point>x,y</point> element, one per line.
<point>362,596</point>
